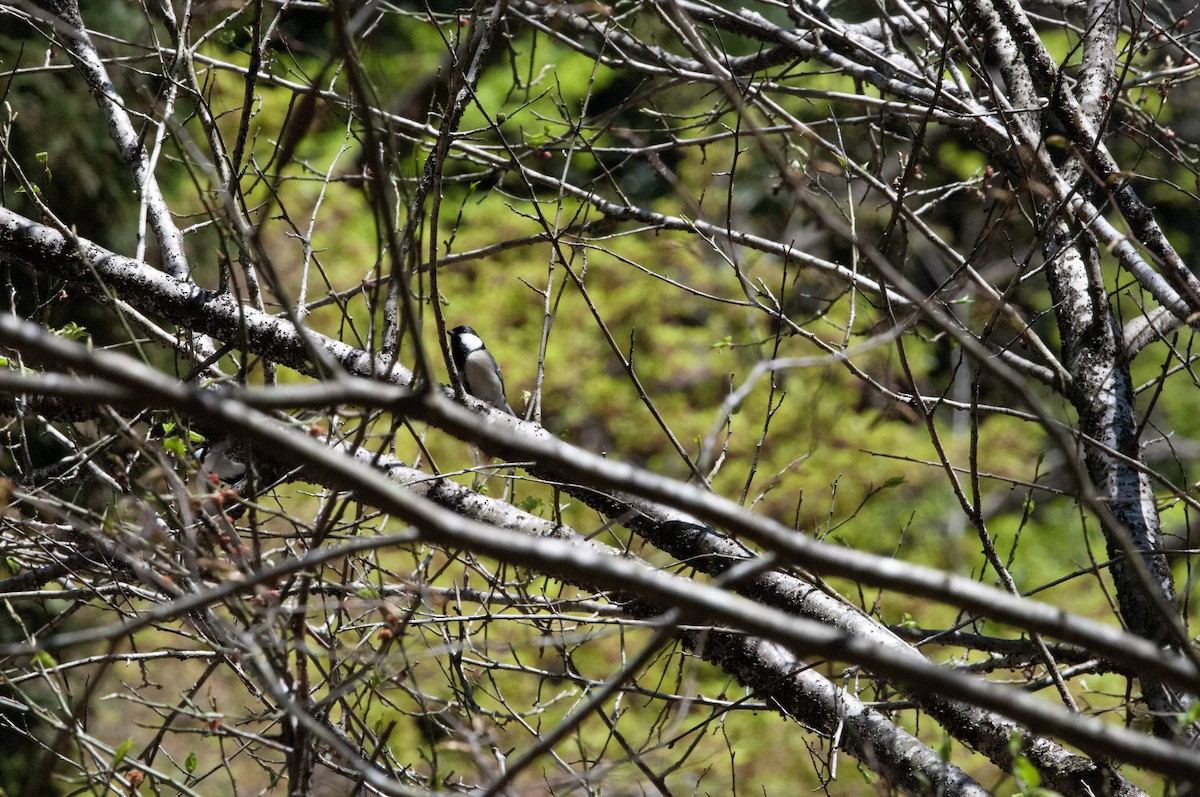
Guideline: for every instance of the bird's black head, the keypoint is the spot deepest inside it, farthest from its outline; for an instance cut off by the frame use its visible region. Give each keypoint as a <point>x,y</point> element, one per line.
<point>463,341</point>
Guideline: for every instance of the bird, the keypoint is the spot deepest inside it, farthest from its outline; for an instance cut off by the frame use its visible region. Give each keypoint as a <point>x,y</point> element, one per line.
<point>477,368</point>
<point>216,460</point>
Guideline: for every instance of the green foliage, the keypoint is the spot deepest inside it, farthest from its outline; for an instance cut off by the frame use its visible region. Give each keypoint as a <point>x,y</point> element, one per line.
<point>966,163</point>
<point>122,750</point>
<point>1028,778</point>
<point>72,331</point>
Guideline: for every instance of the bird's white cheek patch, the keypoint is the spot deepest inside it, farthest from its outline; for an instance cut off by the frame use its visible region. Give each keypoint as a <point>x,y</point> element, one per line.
<point>471,342</point>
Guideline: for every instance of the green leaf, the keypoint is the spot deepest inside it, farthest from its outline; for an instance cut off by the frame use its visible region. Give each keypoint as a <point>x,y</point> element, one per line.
<point>44,659</point>
<point>1192,715</point>
<point>174,446</point>
<point>895,481</point>
<point>539,140</point>
<point>71,331</point>
<point>189,763</point>
<point>122,750</point>
<point>1028,778</point>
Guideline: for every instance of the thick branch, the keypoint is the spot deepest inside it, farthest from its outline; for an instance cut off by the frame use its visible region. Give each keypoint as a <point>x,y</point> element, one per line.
<point>696,602</point>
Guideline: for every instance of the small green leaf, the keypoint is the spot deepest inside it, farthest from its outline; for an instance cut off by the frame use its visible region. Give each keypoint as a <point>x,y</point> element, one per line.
<point>1192,715</point>
<point>122,750</point>
<point>174,446</point>
<point>189,763</point>
<point>1015,741</point>
<point>71,331</point>
<point>1028,778</point>
<point>44,659</point>
<point>540,140</point>
<point>895,481</point>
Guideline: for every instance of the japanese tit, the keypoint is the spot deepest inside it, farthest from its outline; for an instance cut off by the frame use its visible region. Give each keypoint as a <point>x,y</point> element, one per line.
<point>215,459</point>
<point>477,368</point>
